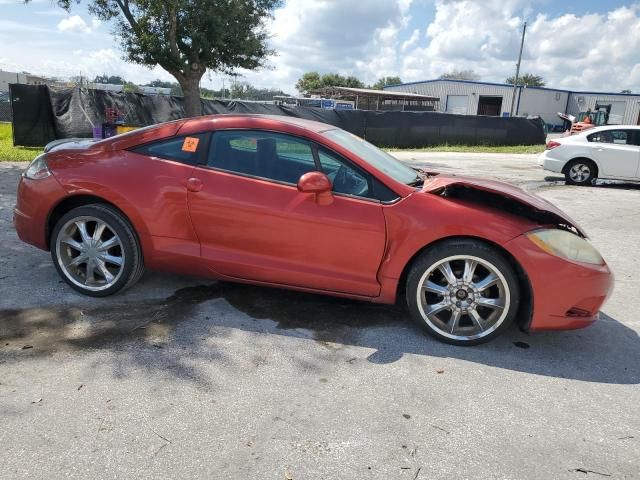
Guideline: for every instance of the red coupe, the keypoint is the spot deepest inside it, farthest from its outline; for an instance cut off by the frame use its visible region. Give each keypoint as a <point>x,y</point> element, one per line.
<point>298,204</point>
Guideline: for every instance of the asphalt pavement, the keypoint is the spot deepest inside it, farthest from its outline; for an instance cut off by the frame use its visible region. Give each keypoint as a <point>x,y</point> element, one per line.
<point>185,378</point>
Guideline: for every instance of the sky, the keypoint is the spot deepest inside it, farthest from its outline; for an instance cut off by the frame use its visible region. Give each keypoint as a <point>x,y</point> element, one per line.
<point>572,44</point>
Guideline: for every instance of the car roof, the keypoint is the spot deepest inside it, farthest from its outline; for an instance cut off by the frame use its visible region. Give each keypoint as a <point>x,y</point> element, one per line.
<point>209,122</point>
<point>228,119</point>
<point>611,127</point>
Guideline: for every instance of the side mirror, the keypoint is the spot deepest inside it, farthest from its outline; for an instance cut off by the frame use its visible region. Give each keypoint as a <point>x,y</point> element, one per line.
<point>319,184</point>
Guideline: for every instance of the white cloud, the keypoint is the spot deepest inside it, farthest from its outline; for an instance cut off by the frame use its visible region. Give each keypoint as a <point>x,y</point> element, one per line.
<point>412,41</point>
<point>374,38</point>
<point>74,24</point>
<point>350,38</point>
<point>588,51</point>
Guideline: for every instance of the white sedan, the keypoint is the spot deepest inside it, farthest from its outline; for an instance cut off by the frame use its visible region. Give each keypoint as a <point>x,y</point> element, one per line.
<point>611,152</point>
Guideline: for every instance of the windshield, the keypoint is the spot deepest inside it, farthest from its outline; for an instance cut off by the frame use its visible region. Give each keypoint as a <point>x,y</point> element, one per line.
<point>374,156</point>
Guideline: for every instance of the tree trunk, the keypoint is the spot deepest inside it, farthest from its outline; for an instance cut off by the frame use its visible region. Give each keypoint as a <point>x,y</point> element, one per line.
<point>191,96</point>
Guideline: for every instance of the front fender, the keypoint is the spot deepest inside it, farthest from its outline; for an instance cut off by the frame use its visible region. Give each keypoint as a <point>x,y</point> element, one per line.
<point>420,220</point>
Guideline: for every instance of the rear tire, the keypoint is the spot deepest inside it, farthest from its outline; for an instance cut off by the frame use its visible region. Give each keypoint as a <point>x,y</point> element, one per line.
<point>463,292</point>
<point>96,250</point>
<point>580,171</point>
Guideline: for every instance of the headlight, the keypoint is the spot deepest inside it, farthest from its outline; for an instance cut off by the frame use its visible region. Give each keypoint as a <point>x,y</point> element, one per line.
<point>38,169</point>
<point>566,245</point>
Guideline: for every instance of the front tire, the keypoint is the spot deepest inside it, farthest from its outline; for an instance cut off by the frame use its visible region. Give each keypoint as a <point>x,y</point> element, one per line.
<point>96,251</point>
<point>580,171</point>
<point>463,292</point>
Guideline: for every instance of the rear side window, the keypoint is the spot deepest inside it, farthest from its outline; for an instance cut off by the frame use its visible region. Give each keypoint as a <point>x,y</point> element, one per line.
<point>184,149</point>
<point>619,137</point>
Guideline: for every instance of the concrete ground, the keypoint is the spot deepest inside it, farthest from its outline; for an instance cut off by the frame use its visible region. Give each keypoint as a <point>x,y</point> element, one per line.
<point>180,378</point>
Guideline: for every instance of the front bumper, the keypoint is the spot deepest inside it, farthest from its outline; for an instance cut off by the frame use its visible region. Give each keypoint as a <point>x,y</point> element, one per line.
<point>547,162</point>
<point>35,200</point>
<point>566,295</point>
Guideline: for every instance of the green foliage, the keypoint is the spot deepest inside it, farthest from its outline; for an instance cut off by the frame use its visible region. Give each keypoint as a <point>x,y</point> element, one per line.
<point>313,80</point>
<point>160,84</point>
<point>460,75</point>
<point>519,149</point>
<point>187,37</point>
<point>130,87</point>
<point>9,153</point>
<point>308,82</point>
<point>211,94</point>
<point>109,79</point>
<point>528,79</point>
<point>385,81</point>
<point>245,91</point>
<point>175,87</point>
<point>625,91</point>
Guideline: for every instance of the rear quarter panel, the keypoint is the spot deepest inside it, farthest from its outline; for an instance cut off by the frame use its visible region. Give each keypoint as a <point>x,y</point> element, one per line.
<point>151,192</point>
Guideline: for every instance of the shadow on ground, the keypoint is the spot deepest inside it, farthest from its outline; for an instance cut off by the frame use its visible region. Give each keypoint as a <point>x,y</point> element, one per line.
<point>164,332</point>
<point>613,184</point>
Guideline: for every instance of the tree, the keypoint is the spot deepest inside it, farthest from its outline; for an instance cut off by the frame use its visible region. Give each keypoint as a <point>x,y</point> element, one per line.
<point>352,82</point>
<point>308,82</point>
<point>460,75</point>
<point>161,84</point>
<point>384,81</point>
<point>130,87</point>
<point>625,91</point>
<point>109,79</point>
<point>313,81</point>
<point>528,79</point>
<point>187,37</point>
<point>246,91</point>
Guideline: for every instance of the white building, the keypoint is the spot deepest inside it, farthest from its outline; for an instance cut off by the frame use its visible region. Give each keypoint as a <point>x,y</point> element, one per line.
<point>7,78</point>
<point>467,97</point>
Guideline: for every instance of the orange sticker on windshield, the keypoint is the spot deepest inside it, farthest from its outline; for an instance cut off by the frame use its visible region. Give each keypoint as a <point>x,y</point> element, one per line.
<point>190,144</point>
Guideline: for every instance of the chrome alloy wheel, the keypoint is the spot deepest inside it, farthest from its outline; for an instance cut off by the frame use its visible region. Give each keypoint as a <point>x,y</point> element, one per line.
<point>580,172</point>
<point>90,253</point>
<point>463,297</point>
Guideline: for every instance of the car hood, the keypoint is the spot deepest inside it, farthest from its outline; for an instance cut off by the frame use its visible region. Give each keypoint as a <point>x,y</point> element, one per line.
<point>499,195</point>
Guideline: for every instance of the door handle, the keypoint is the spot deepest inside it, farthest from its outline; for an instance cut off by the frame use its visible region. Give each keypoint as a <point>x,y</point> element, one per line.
<point>194,184</point>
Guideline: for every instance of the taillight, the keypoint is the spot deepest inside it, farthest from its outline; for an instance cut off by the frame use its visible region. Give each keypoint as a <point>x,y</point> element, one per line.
<point>38,169</point>
<point>551,144</point>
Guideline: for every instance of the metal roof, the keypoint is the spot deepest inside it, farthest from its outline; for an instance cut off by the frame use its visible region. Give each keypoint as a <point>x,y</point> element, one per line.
<point>509,85</point>
<point>368,92</point>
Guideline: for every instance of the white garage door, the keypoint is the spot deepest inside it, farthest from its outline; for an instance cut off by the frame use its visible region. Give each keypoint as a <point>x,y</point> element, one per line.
<point>457,104</point>
<point>616,117</point>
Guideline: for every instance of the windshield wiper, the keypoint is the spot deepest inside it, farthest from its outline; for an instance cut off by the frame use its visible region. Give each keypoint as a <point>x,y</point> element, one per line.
<point>417,182</point>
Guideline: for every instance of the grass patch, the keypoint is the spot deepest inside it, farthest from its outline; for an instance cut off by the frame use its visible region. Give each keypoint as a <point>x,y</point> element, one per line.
<point>9,153</point>
<point>475,149</point>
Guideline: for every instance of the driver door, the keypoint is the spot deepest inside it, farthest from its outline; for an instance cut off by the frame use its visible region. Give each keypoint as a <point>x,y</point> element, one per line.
<point>253,223</point>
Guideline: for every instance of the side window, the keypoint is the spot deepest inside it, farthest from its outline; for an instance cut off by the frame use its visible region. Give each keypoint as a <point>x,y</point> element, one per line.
<point>345,178</point>
<point>620,137</point>
<point>183,149</point>
<point>269,155</point>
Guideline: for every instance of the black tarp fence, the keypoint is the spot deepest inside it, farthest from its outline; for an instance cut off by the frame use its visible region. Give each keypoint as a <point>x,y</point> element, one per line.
<point>42,114</point>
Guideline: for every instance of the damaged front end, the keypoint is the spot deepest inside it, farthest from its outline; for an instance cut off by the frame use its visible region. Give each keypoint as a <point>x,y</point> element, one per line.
<point>503,197</point>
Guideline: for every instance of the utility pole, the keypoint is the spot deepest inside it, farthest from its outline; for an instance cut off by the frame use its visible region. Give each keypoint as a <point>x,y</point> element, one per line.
<point>515,82</point>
